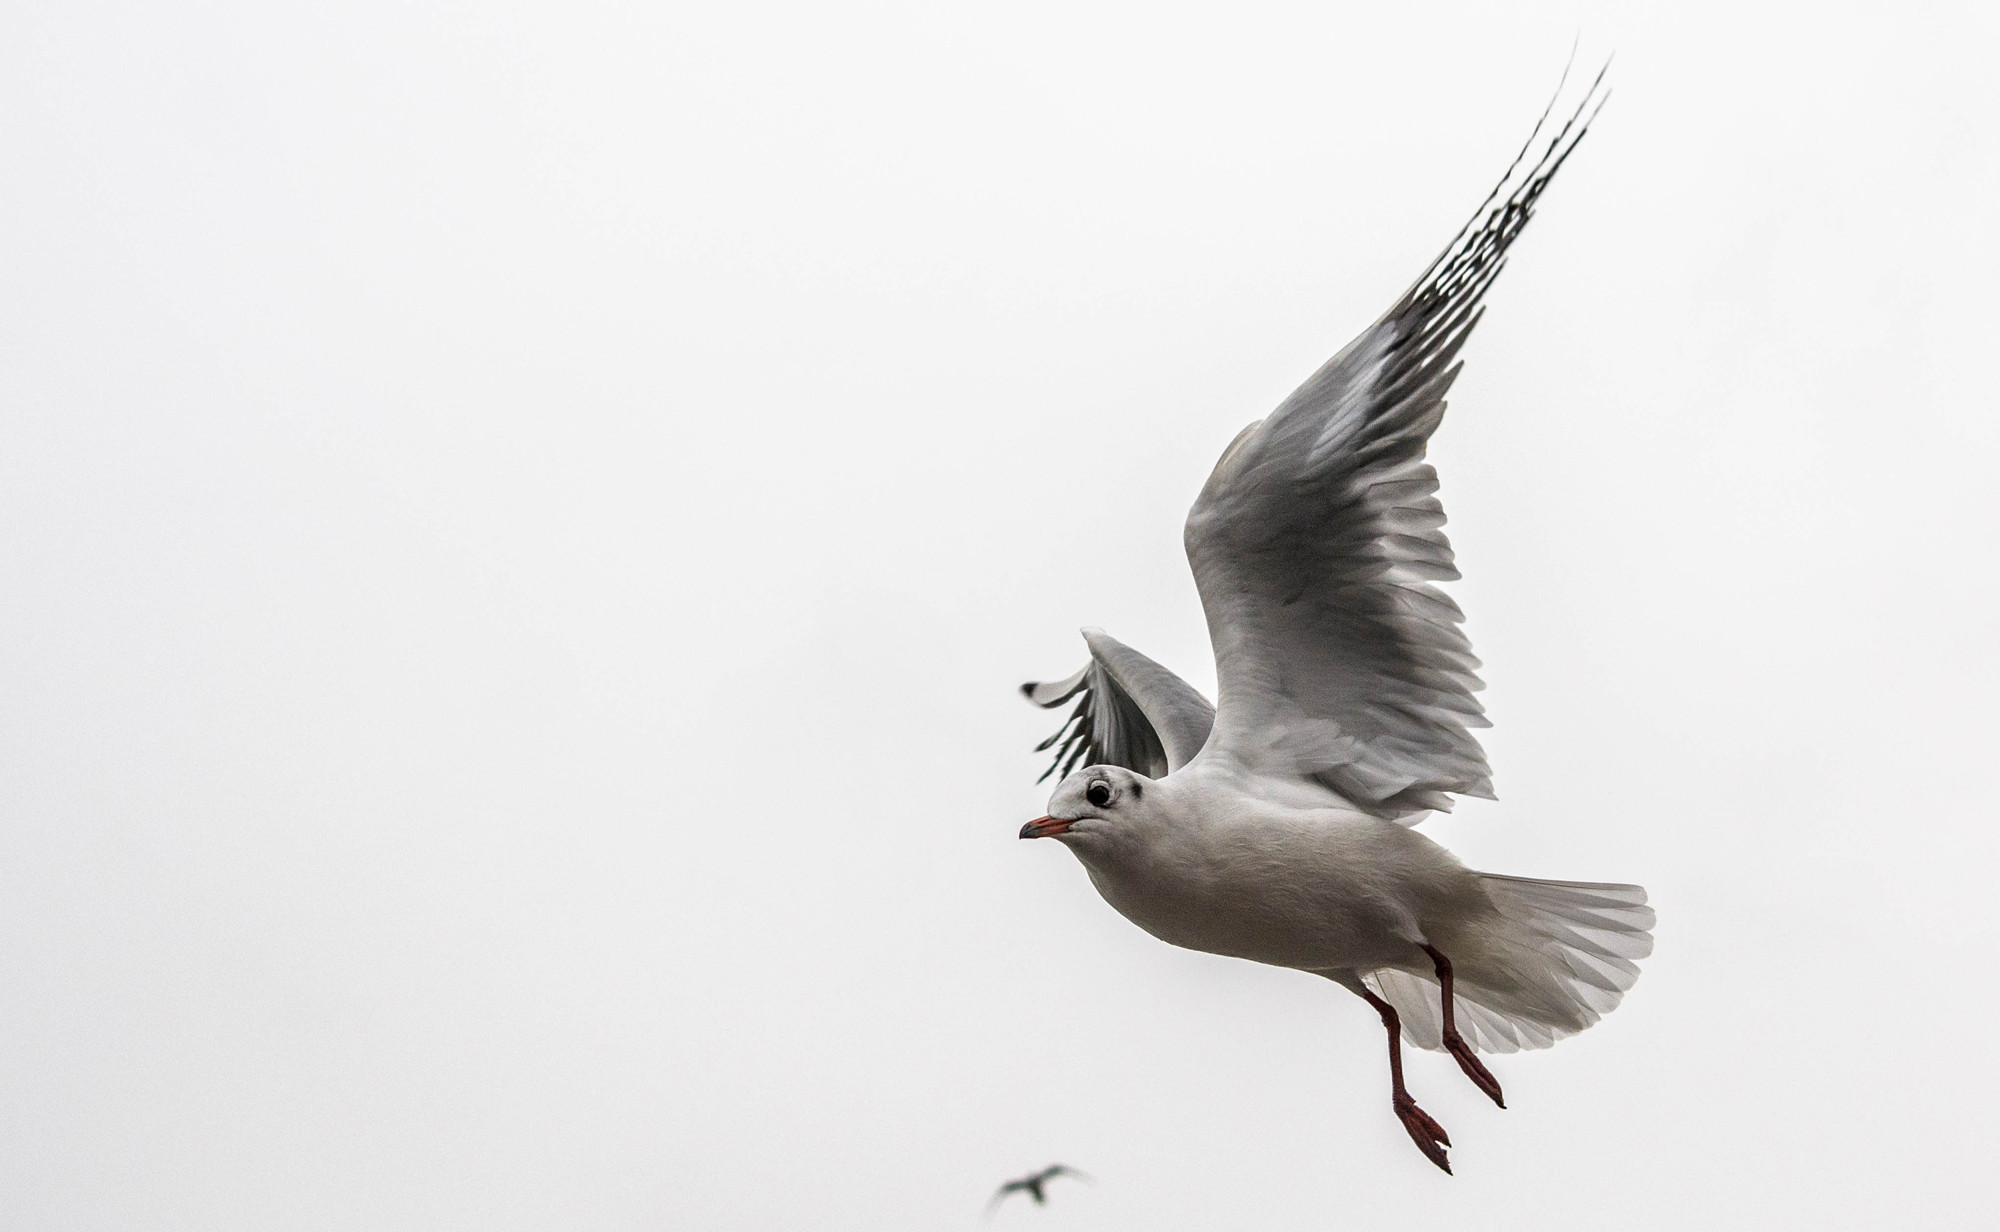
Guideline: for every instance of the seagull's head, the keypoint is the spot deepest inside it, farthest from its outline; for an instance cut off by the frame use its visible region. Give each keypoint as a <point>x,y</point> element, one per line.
<point>1095,806</point>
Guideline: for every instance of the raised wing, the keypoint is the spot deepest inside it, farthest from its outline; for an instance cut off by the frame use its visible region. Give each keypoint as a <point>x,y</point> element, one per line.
<point>1131,712</point>
<point>1316,543</point>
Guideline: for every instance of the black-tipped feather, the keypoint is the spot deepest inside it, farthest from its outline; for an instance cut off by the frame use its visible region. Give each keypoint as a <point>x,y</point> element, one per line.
<point>1107,727</point>
<point>1129,712</point>
<point>1318,541</point>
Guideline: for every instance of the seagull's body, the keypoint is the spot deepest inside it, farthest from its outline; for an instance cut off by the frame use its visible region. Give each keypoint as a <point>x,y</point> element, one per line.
<point>1204,873</point>
<point>1275,826</point>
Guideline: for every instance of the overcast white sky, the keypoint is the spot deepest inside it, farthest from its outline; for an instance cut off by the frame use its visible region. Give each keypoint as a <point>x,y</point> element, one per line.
<point>520,524</point>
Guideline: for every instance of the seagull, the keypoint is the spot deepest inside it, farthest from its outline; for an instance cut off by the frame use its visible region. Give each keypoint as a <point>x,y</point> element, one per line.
<point>1276,825</point>
<point>1032,1185</point>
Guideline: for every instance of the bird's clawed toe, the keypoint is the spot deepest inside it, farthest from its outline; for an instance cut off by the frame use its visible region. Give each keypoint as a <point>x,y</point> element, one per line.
<point>1469,1062</point>
<point>1426,1133</point>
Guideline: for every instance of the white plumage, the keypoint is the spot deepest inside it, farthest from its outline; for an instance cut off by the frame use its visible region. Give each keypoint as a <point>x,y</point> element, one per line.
<point>1275,826</point>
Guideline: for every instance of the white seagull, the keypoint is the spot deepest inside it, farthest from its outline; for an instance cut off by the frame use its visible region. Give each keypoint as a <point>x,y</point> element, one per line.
<point>1276,825</point>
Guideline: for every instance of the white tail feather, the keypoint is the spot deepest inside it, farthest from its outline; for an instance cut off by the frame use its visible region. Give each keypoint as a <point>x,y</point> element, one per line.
<point>1554,957</point>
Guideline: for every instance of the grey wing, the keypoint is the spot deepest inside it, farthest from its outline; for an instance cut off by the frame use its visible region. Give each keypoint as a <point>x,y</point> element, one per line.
<point>1316,543</point>
<point>1129,712</point>
<point>1026,1186</point>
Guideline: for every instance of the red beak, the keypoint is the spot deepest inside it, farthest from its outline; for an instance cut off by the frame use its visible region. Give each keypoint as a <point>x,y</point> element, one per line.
<point>1046,827</point>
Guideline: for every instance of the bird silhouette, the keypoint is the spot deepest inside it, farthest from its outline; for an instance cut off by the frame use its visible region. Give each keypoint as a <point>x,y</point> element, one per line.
<point>1032,1185</point>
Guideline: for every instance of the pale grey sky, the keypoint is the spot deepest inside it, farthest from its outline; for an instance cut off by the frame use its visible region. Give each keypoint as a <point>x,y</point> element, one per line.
<point>521,523</point>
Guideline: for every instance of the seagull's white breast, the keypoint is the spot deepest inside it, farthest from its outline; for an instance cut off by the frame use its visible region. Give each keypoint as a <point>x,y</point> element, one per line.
<point>1211,867</point>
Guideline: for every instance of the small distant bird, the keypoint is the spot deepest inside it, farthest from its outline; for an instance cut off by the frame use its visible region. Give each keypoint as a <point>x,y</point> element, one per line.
<point>1275,825</point>
<point>1032,1185</point>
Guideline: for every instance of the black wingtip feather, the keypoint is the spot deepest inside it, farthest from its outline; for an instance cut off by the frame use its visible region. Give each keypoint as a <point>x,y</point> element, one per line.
<point>1464,270</point>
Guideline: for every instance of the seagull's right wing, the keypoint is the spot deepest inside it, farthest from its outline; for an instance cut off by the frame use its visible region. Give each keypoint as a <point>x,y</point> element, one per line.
<point>1132,713</point>
<point>1316,540</point>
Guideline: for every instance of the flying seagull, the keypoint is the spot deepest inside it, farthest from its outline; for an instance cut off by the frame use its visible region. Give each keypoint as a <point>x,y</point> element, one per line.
<point>1276,825</point>
<point>1032,1185</point>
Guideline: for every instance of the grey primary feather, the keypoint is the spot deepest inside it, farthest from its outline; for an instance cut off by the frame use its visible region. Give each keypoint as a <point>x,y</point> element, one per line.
<point>1129,712</point>
<point>1316,542</point>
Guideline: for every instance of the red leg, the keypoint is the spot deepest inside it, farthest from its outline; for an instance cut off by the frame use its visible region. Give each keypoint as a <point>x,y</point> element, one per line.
<point>1454,1043</point>
<point>1426,1133</point>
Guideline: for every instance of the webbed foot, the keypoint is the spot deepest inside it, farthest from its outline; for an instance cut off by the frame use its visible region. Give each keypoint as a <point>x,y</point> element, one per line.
<point>1425,1132</point>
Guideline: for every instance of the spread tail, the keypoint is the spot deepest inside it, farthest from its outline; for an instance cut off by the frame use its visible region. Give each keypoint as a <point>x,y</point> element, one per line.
<point>1552,958</point>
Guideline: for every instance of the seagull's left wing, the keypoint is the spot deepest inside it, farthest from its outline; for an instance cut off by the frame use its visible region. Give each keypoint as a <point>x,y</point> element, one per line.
<point>1131,712</point>
<point>1000,1194</point>
<point>1316,542</point>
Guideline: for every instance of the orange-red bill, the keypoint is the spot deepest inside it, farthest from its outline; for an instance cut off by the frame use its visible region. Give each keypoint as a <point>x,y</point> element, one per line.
<point>1046,827</point>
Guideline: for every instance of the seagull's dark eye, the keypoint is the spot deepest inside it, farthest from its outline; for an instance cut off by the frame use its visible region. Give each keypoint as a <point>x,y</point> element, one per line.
<point>1098,793</point>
